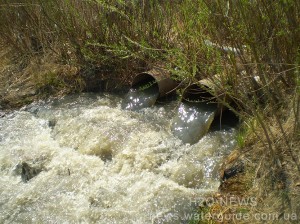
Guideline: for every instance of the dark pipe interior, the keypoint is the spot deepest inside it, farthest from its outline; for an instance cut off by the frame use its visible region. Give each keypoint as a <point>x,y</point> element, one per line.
<point>143,80</point>
<point>195,93</point>
<point>225,120</point>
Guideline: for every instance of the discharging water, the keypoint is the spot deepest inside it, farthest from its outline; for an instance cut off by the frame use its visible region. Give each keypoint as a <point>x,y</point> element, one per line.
<point>140,97</point>
<point>84,159</point>
<point>193,120</point>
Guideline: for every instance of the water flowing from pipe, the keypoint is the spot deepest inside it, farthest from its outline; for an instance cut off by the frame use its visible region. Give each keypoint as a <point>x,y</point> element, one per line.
<point>140,97</point>
<point>193,120</point>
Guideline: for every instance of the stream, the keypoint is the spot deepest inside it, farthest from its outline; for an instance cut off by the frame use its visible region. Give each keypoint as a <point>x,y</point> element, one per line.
<point>82,158</point>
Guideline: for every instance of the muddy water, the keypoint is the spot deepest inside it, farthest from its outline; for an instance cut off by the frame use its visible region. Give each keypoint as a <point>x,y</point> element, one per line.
<point>84,159</point>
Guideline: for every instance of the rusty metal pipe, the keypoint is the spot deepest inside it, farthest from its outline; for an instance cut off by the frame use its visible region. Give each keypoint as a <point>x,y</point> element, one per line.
<point>203,92</point>
<point>158,76</point>
<point>197,111</point>
<point>147,87</point>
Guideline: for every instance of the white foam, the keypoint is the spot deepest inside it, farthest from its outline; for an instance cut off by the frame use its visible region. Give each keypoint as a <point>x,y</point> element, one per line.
<point>149,175</point>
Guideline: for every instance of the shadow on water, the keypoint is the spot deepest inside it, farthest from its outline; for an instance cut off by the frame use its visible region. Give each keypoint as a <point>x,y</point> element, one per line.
<point>225,121</point>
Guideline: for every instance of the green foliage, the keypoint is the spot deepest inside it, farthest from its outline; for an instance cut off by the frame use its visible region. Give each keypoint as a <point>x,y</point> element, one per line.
<point>241,138</point>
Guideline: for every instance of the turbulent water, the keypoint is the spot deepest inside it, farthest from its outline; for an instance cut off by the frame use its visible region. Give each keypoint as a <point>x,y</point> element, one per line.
<point>192,121</point>
<point>139,98</point>
<point>84,159</point>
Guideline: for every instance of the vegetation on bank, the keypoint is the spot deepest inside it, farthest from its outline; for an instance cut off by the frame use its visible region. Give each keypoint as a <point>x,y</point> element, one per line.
<point>59,47</point>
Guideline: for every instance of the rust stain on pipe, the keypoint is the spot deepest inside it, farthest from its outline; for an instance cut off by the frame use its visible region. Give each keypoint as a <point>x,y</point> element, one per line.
<point>204,91</point>
<point>159,76</point>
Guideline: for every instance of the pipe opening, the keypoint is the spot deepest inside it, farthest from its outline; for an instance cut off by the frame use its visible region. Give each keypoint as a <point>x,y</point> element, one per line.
<point>195,114</point>
<point>147,87</point>
<point>143,81</point>
<point>143,93</point>
<point>156,76</point>
<point>225,121</point>
<point>195,94</point>
<point>145,84</point>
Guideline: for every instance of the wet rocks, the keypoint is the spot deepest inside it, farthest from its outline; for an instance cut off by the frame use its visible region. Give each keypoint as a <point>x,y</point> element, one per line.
<point>233,170</point>
<point>27,171</point>
<point>236,174</point>
<point>233,165</point>
<point>52,123</point>
<point>2,114</point>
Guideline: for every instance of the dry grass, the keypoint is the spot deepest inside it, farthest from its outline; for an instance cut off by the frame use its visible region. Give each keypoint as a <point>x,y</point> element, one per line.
<point>35,77</point>
<point>274,184</point>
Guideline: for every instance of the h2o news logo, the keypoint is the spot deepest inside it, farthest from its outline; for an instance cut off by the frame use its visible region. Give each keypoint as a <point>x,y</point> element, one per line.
<point>224,201</point>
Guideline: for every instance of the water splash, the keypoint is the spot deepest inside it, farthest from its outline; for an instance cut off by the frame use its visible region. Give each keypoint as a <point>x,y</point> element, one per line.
<point>193,121</point>
<point>102,164</point>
